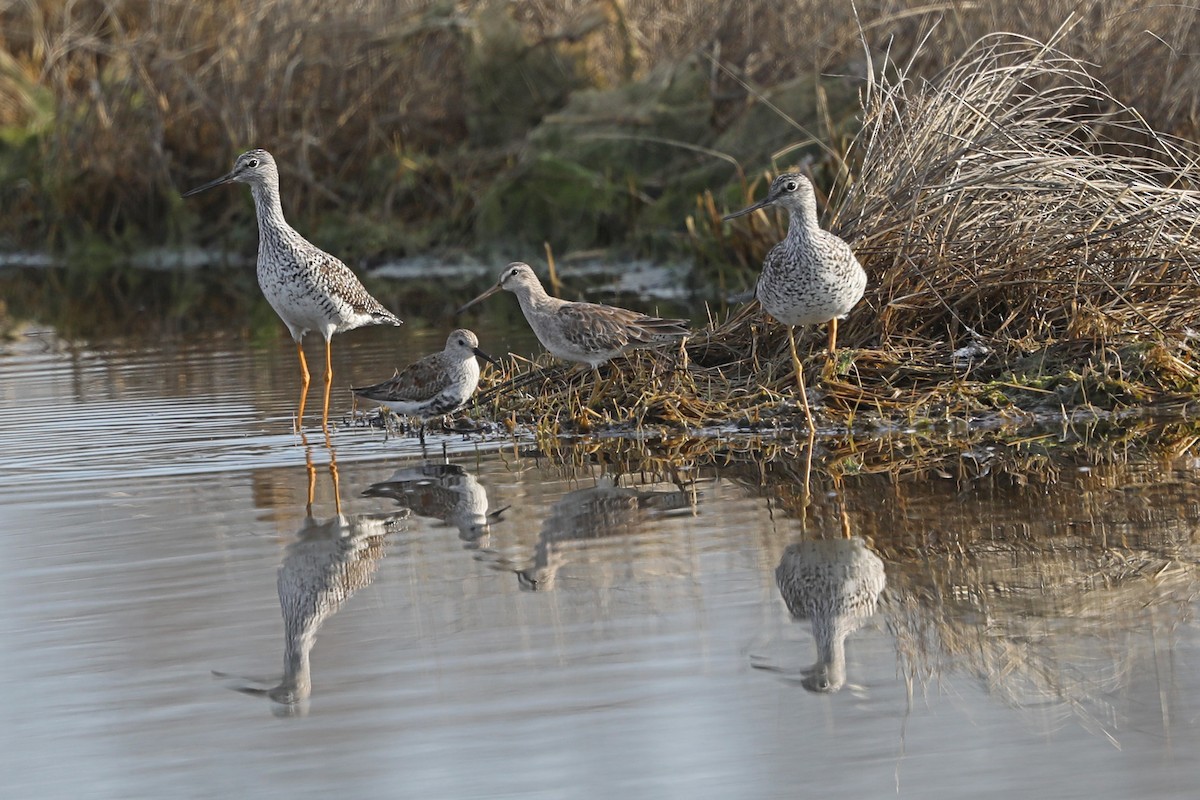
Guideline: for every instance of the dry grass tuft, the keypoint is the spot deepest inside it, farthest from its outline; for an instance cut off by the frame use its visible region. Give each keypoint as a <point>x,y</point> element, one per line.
<point>1022,255</point>
<point>393,110</point>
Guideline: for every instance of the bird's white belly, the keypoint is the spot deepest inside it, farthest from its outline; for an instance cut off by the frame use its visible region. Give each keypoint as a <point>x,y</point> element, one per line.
<point>804,312</point>
<point>299,307</point>
<point>812,303</point>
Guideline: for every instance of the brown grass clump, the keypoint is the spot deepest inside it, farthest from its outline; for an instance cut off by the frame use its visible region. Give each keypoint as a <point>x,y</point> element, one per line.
<point>1021,255</point>
<point>385,112</point>
<point>1000,201</point>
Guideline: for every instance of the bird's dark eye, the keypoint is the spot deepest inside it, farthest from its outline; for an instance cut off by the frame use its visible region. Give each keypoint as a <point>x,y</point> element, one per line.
<point>790,186</point>
<point>252,163</point>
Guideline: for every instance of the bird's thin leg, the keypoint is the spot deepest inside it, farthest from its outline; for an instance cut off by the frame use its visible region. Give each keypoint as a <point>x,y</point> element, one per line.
<point>328,383</point>
<point>831,359</point>
<point>305,379</point>
<point>421,434</point>
<point>796,365</point>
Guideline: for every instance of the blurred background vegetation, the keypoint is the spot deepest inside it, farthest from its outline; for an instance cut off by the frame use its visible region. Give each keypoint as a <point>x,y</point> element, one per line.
<point>407,126</point>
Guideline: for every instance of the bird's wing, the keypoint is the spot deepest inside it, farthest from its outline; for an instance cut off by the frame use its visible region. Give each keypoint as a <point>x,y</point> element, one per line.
<point>349,287</point>
<point>416,383</point>
<point>595,327</point>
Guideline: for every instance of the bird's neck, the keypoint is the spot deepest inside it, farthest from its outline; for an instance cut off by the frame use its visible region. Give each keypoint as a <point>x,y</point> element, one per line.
<point>297,678</point>
<point>268,208</point>
<point>830,633</point>
<point>802,225</point>
<point>470,366</point>
<point>534,297</point>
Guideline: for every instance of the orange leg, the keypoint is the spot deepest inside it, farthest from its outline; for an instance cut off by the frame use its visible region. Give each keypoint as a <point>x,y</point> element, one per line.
<point>333,473</point>
<point>328,383</point>
<point>832,336</point>
<point>305,380</point>
<point>812,428</point>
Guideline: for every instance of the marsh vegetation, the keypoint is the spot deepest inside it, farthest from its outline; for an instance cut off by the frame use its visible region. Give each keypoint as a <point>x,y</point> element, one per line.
<point>1017,178</point>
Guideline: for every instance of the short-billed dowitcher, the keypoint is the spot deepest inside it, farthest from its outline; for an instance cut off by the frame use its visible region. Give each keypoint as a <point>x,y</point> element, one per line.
<point>588,333</point>
<point>587,516</point>
<point>309,289</point>
<point>810,277</point>
<point>435,385</point>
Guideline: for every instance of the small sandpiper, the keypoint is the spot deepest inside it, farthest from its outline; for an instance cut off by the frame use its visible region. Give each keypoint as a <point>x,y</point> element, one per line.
<point>810,277</point>
<point>436,384</point>
<point>588,333</point>
<point>309,289</point>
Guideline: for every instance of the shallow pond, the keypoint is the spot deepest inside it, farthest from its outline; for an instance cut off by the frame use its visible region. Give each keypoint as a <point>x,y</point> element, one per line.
<point>186,614</point>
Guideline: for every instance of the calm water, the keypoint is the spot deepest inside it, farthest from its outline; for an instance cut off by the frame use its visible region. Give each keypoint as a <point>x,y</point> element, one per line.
<point>566,620</point>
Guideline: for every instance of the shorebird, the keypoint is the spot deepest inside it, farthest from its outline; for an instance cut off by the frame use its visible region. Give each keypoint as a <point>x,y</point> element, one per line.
<point>810,277</point>
<point>588,333</point>
<point>586,516</point>
<point>309,289</point>
<point>835,584</point>
<point>435,385</point>
<point>323,567</point>
<point>445,492</point>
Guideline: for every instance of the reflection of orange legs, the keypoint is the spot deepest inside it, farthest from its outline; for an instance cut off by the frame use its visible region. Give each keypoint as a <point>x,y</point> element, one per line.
<point>812,428</point>
<point>333,470</point>
<point>312,475</point>
<point>305,379</point>
<point>328,383</point>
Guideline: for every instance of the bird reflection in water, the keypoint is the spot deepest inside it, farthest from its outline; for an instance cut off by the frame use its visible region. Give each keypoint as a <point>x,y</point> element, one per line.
<point>322,568</point>
<point>602,511</point>
<point>445,492</point>
<point>835,584</point>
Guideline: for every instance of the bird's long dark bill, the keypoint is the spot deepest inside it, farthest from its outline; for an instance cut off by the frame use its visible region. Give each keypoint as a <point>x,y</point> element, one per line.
<point>481,297</point>
<point>743,212</point>
<point>495,362</point>
<point>209,185</point>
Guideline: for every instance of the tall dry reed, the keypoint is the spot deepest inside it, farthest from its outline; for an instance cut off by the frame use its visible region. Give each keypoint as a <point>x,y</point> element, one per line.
<point>386,107</point>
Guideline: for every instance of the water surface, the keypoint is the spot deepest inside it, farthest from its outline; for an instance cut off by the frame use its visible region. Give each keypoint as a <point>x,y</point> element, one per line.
<point>185,613</point>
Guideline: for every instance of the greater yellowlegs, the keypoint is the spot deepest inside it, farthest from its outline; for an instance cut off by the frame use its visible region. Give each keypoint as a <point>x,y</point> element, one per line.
<point>327,563</point>
<point>435,385</point>
<point>835,584</point>
<point>810,277</point>
<point>587,333</point>
<point>309,289</point>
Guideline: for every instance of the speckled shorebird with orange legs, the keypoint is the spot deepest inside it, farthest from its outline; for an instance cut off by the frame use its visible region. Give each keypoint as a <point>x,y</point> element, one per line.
<point>309,289</point>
